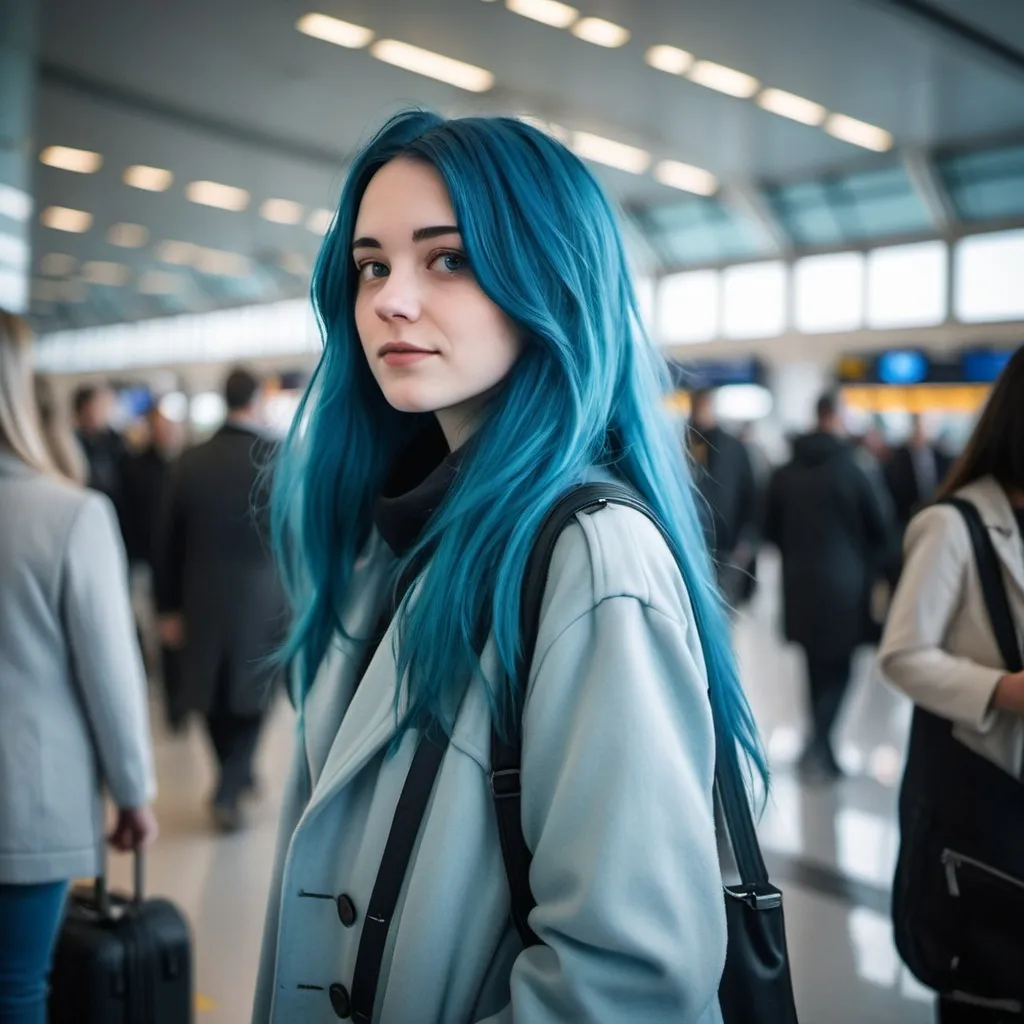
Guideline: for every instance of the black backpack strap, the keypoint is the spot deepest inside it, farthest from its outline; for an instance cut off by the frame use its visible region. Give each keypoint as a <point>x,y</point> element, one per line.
<point>506,754</point>
<point>405,827</point>
<point>992,586</point>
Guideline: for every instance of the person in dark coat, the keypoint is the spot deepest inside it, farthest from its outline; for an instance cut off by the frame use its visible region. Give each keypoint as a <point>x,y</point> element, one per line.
<point>725,479</point>
<point>826,520</point>
<point>913,473</point>
<point>102,446</point>
<point>218,591</point>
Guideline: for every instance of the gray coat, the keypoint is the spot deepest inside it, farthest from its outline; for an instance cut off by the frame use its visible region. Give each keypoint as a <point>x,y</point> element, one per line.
<point>216,569</point>
<point>72,689</point>
<point>618,760</point>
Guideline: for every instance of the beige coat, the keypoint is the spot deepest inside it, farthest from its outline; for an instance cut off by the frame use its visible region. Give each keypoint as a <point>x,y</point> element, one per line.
<point>938,647</point>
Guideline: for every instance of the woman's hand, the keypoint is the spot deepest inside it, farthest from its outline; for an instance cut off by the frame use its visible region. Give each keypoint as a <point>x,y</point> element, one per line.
<point>136,828</point>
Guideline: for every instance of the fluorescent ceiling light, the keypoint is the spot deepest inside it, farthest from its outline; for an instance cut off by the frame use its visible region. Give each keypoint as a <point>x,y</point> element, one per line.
<point>611,153</point>
<point>333,30</point>
<point>57,264</point>
<point>222,264</point>
<point>281,211</point>
<point>15,203</point>
<point>102,272</point>
<point>669,59</point>
<point>179,253</point>
<point>213,193</point>
<point>859,133</point>
<point>319,221</point>
<point>432,65</point>
<point>548,12</point>
<point>796,108</point>
<point>723,79</point>
<point>556,131</point>
<point>686,177</point>
<point>159,282</point>
<point>151,179</point>
<point>14,251</point>
<point>82,161</point>
<point>296,263</point>
<point>128,236</point>
<point>71,291</point>
<point>60,218</point>
<point>601,32</point>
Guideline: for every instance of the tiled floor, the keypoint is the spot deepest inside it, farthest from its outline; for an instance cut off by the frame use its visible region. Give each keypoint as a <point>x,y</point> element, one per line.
<point>832,848</point>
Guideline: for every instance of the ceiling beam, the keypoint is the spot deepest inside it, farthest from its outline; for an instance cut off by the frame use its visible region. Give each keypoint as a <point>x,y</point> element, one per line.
<point>964,33</point>
<point>931,189</point>
<point>750,202</point>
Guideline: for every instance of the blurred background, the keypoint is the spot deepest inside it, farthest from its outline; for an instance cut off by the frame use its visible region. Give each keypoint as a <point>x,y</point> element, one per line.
<point>817,195</point>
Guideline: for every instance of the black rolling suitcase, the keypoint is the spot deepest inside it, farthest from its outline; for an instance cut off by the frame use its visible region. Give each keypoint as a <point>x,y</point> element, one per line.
<point>121,960</point>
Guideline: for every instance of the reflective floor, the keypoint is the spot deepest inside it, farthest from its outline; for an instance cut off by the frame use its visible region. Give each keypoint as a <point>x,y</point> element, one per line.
<point>831,848</point>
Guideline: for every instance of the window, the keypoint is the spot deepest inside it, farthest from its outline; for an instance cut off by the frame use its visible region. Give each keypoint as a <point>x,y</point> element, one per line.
<point>829,293</point>
<point>907,285</point>
<point>687,307</point>
<point>990,277</point>
<point>754,300</point>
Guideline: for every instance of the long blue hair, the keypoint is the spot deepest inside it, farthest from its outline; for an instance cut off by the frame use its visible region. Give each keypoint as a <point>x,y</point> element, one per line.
<point>545,247</point>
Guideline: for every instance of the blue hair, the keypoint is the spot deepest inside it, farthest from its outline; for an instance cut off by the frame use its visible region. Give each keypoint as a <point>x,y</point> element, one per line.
<point>545,247</point>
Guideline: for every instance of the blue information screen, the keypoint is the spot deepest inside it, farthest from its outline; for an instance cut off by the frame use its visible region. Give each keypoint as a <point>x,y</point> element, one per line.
<point>902,367</point>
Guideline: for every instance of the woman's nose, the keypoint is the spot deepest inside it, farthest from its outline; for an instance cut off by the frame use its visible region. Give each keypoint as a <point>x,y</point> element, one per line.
<point>399,298</point>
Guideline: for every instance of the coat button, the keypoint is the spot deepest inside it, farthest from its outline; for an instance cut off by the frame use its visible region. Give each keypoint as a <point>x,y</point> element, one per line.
<point>340,1001</point>
<point>346,911</point>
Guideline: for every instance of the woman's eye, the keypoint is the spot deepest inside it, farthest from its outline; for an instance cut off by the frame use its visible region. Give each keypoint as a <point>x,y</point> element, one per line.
<point>372,269</point>
<point>451,262</point>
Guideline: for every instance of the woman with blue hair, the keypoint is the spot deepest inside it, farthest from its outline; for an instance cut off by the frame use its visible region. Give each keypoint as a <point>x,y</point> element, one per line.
<point>482,356</point>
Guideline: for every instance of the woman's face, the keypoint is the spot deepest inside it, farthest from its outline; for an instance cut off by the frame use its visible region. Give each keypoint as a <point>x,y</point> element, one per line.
<point>434,341</point>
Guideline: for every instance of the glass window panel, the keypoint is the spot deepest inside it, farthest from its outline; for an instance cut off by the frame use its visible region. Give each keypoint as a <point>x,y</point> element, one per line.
<point>687,307</point>
<point>989,281</point>
<point>907,285</point>
<point>754,300</point>
<point>828,293</point>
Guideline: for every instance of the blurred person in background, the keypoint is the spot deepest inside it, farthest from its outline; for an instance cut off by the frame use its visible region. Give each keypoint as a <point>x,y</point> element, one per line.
<point>72,692</point>
<point>218,592</point>
<point>914,472</point>
<point>101,445</point>
<point>961,789</point>
<point>144,480</point>
<point>725,481</point>
<point>825,517</point>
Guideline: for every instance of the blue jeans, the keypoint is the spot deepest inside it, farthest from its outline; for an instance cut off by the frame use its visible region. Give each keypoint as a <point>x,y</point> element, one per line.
<point>30,917</point>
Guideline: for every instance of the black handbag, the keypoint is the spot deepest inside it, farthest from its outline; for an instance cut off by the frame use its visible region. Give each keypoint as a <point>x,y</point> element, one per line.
<point>755,986</point>
<point>958,892</point>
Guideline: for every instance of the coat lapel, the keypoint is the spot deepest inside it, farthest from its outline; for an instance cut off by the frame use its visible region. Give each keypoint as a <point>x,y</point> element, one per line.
<point>997,514</point>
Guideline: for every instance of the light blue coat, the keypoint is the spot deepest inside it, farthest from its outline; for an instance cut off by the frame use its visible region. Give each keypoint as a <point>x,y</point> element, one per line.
<point>618,761</point>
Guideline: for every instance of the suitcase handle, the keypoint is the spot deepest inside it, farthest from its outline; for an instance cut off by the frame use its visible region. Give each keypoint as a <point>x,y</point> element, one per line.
<point>102,891</point>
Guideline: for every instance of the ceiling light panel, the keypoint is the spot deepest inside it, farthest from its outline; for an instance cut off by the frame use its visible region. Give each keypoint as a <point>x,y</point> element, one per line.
<point>81,161</point>
<point>159,282</point>
<point>432,65</point>
<point>102,272</point>
<point>548,12</point>
<point>60,218</point>
<point>601,32</point>
<point>669,59</point>
<point>334,30</point>
<point>611,153</point>
<point>180,254</point>
<point>281,211</point>
<point>319,221</point>
<point>796,108</point>
<point>128,236</point>
<point>57,264</point>
<point>222,264</point>
<point>296,263</point>
<point>859,133</point>
<point>213,193</point>
<point>723,79</point>
<point>686,177</point>
<point>150,179</point>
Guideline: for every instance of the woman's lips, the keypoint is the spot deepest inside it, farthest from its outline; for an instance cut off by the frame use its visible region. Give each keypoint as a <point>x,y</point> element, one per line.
<point>406,357</point>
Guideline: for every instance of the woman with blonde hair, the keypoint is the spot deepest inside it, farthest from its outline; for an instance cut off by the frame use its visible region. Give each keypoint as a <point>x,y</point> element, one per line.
<point>72,691</point>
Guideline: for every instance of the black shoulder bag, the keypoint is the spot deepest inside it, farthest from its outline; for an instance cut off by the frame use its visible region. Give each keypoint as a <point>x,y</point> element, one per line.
<point>755,987</point>
<point>958,892</point>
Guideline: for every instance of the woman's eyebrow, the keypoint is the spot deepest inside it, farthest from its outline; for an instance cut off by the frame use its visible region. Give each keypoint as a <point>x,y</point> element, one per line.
<point>419,235</point>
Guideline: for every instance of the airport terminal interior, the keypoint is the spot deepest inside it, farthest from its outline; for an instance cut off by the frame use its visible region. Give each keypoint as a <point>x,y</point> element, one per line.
<point>817,197</point>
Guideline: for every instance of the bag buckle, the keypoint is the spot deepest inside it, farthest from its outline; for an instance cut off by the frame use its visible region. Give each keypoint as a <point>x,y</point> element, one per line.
<point>755,897</point>
<point>505,783</point>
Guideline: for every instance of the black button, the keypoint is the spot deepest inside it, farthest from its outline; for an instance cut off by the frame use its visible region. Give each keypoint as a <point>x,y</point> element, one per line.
<point>340,1001</point>
<point>346,911</point>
